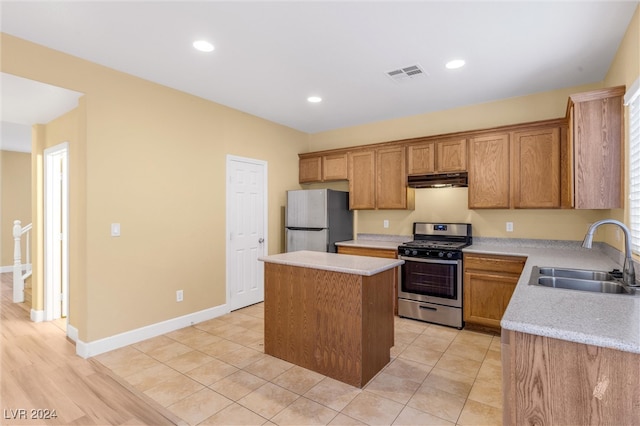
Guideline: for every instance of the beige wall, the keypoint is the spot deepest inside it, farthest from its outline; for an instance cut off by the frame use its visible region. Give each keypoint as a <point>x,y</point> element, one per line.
<point>67,128</point>
<point>153,159</point>
<point>451,204</point>
<point>15,199</point>
<point>624,70</point>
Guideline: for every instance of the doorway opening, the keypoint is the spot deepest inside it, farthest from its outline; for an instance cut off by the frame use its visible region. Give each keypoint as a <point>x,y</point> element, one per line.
<point>56,232</point>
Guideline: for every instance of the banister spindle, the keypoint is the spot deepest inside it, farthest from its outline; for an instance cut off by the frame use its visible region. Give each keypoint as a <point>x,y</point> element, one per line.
<point>18,282</point>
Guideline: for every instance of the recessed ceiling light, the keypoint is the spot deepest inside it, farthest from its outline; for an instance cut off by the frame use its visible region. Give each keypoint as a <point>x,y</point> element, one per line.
<point>314,99</point>
<point>456,63</point>
<point>203,46</point>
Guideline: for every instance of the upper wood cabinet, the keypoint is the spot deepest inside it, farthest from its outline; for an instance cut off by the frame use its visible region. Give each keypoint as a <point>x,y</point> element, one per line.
<point>323,168</point>
<point>595,149</point>
<point>391,178</point>
<point>535,168</point>
<point>310,169</point>
<point>437,157</point>
<point>378,179</point>
<point>334,167</point>
<point>489,172</point>
<point>570,162</point>
<point>362,180</point>
<point>519,169</point>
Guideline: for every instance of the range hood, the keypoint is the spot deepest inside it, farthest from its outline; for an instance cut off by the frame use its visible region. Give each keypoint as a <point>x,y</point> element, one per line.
<point>442,180</point>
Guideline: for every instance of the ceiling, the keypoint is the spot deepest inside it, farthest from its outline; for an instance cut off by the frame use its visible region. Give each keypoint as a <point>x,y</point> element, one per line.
<point>270,56</point>
<point>27,102</point>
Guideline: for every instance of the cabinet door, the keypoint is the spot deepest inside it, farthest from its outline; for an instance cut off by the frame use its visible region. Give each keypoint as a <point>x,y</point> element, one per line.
<point>489,172</point>
<point>391,178</point>
<point>486,297</point>
<point>334,167</point>
<point>536,168</point>
<point>310,170</point>
<point>362,184</point>
<point>452,155</point>
<point>421,158</point>
<point>489,282</point>
<point>597,147</point>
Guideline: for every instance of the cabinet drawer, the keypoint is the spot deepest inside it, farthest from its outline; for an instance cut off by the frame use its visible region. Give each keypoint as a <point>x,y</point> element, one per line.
<point>494,263</point>
<point>366,251</point>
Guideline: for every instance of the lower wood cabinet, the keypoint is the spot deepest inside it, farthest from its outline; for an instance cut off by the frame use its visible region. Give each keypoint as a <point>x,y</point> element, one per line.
<point>548,381</point>
<point>489,282</point>
<point>375,252</point>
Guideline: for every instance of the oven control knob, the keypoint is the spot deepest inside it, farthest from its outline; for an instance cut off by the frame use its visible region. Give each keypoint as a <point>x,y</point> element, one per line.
<point>407,252</point>
<point>441,254</point>
<point>414,252</point>
<point>449,255</point>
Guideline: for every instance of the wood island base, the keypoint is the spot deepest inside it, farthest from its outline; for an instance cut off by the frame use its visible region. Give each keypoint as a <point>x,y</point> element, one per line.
<point>338,324</point>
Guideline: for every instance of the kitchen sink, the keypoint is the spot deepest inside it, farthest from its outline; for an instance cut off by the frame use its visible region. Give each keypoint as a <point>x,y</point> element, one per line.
<point>583,285</point>
<point>581,280</point>
<point>583,274</point>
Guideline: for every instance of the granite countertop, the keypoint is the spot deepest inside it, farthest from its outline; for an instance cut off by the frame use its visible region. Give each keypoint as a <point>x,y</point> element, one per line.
<point>376,241</point>
<point>345,263</point>
<point>606,320</point>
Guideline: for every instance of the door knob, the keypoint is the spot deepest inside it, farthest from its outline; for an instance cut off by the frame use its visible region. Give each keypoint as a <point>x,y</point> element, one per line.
<point>260,240</point>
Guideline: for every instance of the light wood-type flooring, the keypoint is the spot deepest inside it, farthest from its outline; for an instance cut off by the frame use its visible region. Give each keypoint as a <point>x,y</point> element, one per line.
<point>216,373</point>
<point>40,373</point>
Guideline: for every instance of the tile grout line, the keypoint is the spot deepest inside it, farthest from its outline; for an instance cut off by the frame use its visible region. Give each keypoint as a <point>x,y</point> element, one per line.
<point>406,344</point>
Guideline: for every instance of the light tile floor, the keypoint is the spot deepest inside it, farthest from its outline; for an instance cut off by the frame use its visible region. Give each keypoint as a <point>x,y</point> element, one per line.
<point>216,373</point>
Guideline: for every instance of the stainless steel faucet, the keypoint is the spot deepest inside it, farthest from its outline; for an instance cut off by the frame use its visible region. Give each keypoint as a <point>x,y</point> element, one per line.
<point>628,271</point>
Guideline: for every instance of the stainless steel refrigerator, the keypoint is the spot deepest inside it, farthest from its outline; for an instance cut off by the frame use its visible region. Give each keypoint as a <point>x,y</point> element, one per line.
<point>316,219</point>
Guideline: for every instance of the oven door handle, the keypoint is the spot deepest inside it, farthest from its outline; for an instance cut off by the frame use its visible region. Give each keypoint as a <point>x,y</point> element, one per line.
<point>419,259</point>
<point>428,308</point>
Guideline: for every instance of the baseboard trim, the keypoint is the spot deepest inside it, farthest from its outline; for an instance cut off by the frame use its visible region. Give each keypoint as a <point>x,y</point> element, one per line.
<point>97,347</point>
<point>72,332</point>
<point>37,316</point>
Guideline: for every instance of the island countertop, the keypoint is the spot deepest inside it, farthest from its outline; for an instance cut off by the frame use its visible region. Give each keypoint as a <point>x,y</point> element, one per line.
<point>606,320</point>
<point>345,263</point>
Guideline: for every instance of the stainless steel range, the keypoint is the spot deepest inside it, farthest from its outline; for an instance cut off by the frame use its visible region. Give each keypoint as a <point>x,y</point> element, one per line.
<point>430,287</point>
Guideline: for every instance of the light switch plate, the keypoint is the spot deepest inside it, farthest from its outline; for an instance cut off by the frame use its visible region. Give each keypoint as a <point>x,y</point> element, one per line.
<point>115,229</point>
<point>509,226</point>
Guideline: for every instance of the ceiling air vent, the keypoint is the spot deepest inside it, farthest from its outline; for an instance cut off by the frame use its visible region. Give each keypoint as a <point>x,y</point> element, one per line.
<point>406,73</point>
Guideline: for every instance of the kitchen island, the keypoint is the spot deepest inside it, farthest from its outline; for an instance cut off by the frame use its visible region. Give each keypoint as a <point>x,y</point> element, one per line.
<point>330,313</point>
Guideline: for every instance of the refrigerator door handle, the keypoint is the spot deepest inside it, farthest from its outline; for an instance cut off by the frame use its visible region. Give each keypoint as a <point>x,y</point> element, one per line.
<point>293,228</point>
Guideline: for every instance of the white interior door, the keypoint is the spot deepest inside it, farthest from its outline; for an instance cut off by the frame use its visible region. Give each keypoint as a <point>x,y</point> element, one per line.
<point>246,230</point>
<point>56,234</point>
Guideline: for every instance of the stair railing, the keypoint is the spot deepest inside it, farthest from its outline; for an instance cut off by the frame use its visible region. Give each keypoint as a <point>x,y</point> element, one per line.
<point>18,275</point>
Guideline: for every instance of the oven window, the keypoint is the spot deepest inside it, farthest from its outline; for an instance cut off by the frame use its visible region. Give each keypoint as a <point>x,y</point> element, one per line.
<point>430,279</point>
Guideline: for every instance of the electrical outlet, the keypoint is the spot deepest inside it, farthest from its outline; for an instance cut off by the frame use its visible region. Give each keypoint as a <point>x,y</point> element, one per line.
<point>385,223</point>
<point>115,229</point>
<point>179,296</point>
<point>509,226</point>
